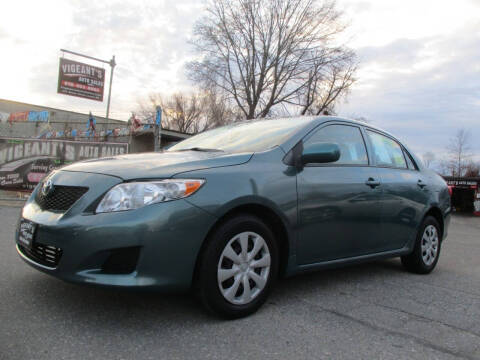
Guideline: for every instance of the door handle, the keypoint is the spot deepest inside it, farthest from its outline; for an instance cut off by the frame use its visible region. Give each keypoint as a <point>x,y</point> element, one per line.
<point>421,184</point>
<point>372,183</point>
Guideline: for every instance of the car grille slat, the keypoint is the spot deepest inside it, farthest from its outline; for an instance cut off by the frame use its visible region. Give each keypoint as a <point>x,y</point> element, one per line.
<point>61,198</point>
<point>46,255</point>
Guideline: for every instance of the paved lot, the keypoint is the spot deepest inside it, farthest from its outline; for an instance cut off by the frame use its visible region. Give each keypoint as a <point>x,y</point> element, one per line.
<point>363,312</point>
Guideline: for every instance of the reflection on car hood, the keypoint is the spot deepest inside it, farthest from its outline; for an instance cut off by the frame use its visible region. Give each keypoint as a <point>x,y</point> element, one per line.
<point>157,165</point>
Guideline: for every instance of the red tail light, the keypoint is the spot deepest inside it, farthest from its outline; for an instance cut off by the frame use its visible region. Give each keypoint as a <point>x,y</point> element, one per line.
<point>450,190</point>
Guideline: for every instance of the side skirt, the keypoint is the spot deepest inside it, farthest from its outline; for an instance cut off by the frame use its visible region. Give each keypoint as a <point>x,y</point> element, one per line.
<point>349,261</point>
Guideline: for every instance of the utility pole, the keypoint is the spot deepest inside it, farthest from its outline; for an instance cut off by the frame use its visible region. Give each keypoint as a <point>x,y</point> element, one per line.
<point>112,66</point>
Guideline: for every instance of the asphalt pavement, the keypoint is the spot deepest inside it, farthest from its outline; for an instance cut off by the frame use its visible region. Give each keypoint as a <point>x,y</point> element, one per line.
<point>370,311</point>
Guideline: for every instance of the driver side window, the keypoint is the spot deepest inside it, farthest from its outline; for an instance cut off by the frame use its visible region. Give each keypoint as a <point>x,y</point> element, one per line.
<point>348,138</point>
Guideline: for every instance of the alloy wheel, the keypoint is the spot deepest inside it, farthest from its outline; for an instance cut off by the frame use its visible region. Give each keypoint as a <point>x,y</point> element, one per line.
<point>429,245</point>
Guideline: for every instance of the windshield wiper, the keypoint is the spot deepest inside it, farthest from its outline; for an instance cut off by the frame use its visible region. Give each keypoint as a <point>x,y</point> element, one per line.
<point>201,149</point>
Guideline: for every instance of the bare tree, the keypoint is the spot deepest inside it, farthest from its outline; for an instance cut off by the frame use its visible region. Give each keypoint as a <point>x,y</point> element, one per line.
<point>472,169</point>
<point>444,168</point>
<point>326,86</point>
<point>217,110</point>
<point>264,53</point>
<point>189,112</point>
<point>459,152</point>
<point>428,159</point>
<point>182,111</point>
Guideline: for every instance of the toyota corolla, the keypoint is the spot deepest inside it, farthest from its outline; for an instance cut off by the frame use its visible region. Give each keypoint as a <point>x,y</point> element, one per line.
<point>228,211</point>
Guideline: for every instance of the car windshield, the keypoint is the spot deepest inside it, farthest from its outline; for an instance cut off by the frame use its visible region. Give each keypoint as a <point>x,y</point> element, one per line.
<point>244,137</point>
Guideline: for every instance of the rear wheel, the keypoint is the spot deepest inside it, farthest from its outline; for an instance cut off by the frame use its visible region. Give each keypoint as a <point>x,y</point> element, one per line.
<point>238,267</point>
<point>426,252</point>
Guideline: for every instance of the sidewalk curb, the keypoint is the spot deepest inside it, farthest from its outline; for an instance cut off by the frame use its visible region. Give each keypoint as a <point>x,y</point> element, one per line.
<point>12,203</point>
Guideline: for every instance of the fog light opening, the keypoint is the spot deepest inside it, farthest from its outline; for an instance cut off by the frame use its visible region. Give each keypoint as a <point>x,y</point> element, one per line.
<point>121,261</point>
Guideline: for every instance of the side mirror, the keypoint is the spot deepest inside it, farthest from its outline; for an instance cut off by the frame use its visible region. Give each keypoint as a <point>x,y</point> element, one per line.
<point>320,153</point>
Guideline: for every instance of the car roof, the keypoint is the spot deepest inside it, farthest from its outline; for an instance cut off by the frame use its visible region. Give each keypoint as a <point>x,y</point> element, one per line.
<point>324,119</point>
<point>319,120</point>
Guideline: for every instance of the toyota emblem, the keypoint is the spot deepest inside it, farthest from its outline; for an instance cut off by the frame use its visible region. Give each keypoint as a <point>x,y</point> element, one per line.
<point>47,187</point>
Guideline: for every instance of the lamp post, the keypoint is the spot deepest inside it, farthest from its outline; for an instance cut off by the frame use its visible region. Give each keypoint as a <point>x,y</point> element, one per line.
<point>112,66</point>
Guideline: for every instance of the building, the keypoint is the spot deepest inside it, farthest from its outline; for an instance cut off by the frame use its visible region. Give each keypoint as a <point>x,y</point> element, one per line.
<point>35,140</point>
<point>19,119</point>
<point>22,120</point>
<point>465,193</point>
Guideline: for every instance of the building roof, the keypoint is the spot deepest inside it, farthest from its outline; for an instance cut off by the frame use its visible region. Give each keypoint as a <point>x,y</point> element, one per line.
<point>462,178</point>
<point>10,106</point>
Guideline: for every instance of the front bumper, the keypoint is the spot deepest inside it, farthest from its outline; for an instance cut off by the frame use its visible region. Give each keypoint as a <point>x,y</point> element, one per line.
<point>165,237</point>
<point>446,223</point>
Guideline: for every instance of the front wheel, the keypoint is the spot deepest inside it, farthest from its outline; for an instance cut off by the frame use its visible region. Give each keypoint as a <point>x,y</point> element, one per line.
<point>238,267</point>
<point>426,252</point>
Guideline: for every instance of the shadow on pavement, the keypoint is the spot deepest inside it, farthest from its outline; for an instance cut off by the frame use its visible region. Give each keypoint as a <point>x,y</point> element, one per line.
<point>102,307</point>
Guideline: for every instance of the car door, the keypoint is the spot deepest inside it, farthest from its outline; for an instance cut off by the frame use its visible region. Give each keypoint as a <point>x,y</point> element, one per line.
<point>405,190</point>
<point>338,203</point>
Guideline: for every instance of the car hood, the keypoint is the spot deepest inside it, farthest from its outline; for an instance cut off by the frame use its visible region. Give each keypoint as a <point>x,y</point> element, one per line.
<point>157,165</point>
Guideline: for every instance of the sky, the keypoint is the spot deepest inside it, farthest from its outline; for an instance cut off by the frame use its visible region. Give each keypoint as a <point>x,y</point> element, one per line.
<point>419,60</point>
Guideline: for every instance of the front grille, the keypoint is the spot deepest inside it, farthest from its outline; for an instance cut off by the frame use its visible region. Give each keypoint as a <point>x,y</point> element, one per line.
<point>61,198</point>
<point>46,255</point>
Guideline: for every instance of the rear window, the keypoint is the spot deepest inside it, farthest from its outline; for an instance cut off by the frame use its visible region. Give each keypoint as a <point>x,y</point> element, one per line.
<point>386,151</point>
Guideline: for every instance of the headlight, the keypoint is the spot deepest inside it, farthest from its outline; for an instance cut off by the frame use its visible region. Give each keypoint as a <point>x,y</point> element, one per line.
<point>129,196</point>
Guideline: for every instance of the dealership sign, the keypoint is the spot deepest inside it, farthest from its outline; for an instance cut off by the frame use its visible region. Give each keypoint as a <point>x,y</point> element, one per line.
<point>463,184</point>
<point>25,162</point>
<point>81,80</point>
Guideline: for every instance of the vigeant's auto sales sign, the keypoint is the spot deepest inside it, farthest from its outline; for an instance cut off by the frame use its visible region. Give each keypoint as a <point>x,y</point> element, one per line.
<point>25,162</point>
<point>81,80</point>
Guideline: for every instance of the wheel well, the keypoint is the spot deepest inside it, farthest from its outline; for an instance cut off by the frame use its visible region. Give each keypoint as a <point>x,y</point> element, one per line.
<point>267,215</point>
<point>437,214</point>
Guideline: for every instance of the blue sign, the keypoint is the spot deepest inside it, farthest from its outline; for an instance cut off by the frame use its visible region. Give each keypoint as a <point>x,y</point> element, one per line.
<point>158,119</point>
<point>38,116</point>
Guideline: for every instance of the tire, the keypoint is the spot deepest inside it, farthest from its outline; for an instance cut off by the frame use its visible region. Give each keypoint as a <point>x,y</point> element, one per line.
<point>225,270</point>
<point>426,251</point>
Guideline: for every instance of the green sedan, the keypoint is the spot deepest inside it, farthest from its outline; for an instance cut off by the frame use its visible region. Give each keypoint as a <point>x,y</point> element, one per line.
<point>227,212</point>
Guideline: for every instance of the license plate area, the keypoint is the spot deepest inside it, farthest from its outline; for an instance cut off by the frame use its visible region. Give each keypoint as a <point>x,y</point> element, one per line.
<point>26,233</point>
